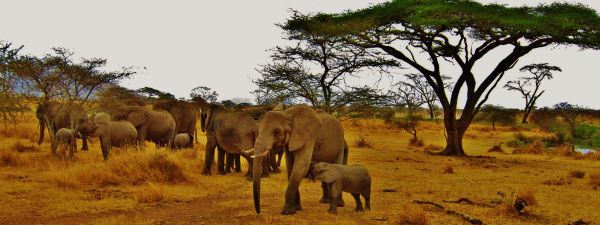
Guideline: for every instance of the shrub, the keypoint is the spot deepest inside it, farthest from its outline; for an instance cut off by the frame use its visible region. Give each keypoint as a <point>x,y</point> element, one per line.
<point>414,216</point>
<point>20,147</point>
<point>496,148</point>
<point>519,140</point>
<point>362,142</point>
<point>528,195</point>
<point>416,142</point>
<point>165,170</point>
<point>150,194</point>
<point>9,158</point>
<point>448,169</point>
<point>577,174</point>
<point>536,147</point>
<point>595,179</point>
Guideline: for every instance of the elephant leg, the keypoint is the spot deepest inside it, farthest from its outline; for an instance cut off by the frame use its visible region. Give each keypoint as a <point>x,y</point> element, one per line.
<point>325,196</point>
<point>142,137</point>
<point>367,195</point>
<point>237,162</point>
<point>279,156</point>
<point>249,173</point>
<point>220,160</point>
<point>84,144</point>
<point>273,162</point>
<point>301,162</point>
<point>265,168</point>
<point>229,158</point>
<point>359,206</point>
<point>335,192</point>
<point>105,146</point>
<point>209,155</point>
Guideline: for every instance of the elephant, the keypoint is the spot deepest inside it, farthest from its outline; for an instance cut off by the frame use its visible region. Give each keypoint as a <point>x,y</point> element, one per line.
<point>232,162</point>
<point>184,113</point>
<point>55,116</point>
<point>229,132</point>
<point>157,126</point>
<point>306,135</point>
<point>354,179</point>
<point>111,133</point>
<point>183,140</point>
<point>66,142</point>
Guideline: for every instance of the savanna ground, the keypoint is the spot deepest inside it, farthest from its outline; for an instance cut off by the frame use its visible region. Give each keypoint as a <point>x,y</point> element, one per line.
<point>163,187</point>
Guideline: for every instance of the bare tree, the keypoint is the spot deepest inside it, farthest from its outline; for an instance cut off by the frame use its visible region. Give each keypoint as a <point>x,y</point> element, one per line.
<point>418,83</point>
<point>529,87</point>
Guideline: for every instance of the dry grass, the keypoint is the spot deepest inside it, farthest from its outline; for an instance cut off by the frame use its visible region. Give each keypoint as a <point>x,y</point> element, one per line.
<point>559,181</point>
<point>433,148</point>
<point>157,186</point>
<point>413,216</point>
<point>10,158</point>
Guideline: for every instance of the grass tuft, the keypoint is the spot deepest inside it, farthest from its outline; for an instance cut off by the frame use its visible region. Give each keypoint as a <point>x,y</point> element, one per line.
<point>577,174</point>
<point>414,216</point>
<point>362,142</point>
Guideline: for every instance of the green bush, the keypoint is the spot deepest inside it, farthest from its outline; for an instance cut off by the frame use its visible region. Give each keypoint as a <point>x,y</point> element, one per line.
<point>519,140</point>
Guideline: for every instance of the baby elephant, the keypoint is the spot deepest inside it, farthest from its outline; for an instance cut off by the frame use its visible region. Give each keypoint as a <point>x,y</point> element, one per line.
<point>183,140</point>
<point>66,142</point>
<point>354,179</point>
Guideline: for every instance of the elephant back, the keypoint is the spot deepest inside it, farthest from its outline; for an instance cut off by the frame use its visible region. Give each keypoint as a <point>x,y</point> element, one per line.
<point>235,131</point>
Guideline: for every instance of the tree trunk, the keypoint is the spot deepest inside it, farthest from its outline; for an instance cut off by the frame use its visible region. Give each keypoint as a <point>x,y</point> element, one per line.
<point>525,116</point>
<point>431,113</point>
<point>454,145</point>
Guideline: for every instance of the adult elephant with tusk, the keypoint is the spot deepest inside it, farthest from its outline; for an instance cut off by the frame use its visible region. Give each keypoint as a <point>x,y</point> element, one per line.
<point>306,135</point>
<point>228,132</point>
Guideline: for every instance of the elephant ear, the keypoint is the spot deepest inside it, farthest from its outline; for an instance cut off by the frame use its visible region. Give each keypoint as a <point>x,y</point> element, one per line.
<point>326,174</point>
<point>136,115</point>
<point>305,125</point>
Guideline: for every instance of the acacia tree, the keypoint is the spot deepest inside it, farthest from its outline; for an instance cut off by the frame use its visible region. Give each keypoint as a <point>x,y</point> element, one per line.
<point>529,87</point>
<point>205,94</point>
<point>155,94</point>
<point>497,114</point>
<point>426,34</point>
<point>79,80</point>
<point>39,76</point>
<point>11,97</point>
<point>314,69</point>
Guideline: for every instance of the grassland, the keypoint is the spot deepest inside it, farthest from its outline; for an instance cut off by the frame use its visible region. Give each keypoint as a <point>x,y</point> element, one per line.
<point>157,186</point>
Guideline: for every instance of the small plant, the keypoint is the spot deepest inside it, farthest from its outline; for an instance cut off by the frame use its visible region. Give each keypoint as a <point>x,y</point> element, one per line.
<point>414,216</point>
<point>496,148</point>
<point>577,174</point>
<point>595,179</point>
<point>448,169</point>
<point>362,142</point>
<point>527,195</point>
<point>416,142</point>
<point>152,193</point>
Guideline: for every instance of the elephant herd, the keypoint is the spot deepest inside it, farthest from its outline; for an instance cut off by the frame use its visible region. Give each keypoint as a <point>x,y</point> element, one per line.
<point>302,134</point>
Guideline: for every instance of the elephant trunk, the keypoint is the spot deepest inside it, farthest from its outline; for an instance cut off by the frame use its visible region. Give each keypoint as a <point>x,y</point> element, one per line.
<point>257,164</point>
<point>42,125</point>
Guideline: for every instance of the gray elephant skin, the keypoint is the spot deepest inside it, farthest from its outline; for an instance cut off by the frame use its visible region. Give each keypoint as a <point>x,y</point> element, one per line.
<point>110,133</point>
<point>354,179</point>
<point>157,126</point>
<point>55,116</point>
<point>183,140</point>
<point>230,132</point>
<point>307,136</point>
<point>66,143</point>
<point>184,113</point>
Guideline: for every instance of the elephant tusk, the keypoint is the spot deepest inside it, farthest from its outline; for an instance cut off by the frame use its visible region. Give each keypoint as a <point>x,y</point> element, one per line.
<point>260,155</point>
<point>248,152</point>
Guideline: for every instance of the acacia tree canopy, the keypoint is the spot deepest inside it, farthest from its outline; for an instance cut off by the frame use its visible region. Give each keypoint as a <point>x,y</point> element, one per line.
<point>460,32</point>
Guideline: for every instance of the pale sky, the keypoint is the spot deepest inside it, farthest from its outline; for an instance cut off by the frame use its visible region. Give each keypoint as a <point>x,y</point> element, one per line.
<point>218,44</point>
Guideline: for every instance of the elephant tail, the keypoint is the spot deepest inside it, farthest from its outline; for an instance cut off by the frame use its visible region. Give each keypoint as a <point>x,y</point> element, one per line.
<point>346,150</point>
